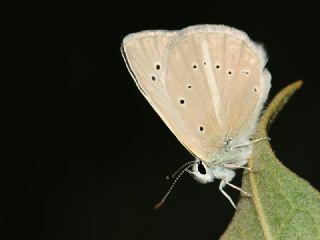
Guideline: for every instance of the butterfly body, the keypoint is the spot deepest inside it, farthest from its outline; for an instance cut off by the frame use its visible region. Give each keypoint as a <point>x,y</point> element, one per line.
<point>222,165</point>
<point>208,83</point>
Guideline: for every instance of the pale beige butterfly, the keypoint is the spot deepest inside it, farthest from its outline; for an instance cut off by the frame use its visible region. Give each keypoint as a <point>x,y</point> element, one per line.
<point>208,83</point>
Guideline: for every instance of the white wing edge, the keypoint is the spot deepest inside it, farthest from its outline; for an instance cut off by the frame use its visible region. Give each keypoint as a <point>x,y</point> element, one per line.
<point>213,28</point>
<point>257,48</point>
<point>148,33</point>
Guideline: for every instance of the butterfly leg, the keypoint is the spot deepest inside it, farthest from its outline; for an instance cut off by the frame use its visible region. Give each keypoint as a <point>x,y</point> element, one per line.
<point>239,189</point>
<point>227,165</point>
<point>251,142</point>
<point>221,186</point>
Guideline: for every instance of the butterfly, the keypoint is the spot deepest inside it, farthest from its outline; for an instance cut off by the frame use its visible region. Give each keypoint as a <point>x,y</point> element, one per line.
<point>208,83</point>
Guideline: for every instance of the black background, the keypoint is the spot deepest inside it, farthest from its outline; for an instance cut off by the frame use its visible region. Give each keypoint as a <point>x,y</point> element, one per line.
<point>84,156</point>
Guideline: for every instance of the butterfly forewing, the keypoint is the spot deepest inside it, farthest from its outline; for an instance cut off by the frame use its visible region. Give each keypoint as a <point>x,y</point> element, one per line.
<point>206,82</point>
<point>144,56</point>
<point>143,53</point>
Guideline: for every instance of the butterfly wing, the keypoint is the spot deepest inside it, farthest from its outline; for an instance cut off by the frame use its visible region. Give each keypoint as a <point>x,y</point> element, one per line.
<point>243,82</point>
<point>229,84</point>
<point>143,53</point>
<point>193,91</point>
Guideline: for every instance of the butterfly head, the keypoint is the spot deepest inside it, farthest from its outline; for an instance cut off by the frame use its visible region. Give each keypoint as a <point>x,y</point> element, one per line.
<point>201,172</point>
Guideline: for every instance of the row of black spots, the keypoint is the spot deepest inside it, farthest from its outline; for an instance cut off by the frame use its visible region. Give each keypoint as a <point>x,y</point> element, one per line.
<point>157,68</point>
<point>230,72</point>
<point>195,65</point>
<point>218,66</point>
<point>245,72</point>
<point>182,102</point>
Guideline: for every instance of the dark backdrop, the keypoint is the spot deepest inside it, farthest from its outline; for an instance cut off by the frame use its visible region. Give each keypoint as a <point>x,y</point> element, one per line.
<point>83,154</point>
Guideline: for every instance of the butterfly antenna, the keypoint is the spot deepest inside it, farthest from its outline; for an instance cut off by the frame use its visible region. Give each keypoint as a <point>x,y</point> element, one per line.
<point>180,168</point>
<point>159,204</point>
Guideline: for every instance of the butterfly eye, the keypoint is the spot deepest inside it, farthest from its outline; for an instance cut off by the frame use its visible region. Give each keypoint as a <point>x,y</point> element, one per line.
<point>229,72</point>
<point>201,128</point>
<point>255,90</point>
<point>201,168</point>
<point>217,66</point>
<point>189,86</point>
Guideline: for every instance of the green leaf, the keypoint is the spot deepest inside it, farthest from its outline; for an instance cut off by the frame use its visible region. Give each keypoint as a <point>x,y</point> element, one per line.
<point>283,205</point>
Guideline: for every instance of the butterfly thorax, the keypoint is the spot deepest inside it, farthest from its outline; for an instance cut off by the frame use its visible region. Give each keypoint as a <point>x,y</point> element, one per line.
<point>221,165</point>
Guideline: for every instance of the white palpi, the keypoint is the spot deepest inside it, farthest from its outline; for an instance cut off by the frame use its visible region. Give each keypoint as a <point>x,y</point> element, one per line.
<point>208,83</point>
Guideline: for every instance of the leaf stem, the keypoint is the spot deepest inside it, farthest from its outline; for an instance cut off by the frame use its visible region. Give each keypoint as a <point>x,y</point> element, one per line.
<point>267,118</point>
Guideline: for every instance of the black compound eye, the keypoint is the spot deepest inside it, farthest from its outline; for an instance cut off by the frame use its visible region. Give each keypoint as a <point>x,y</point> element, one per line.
<point>201,168</point>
